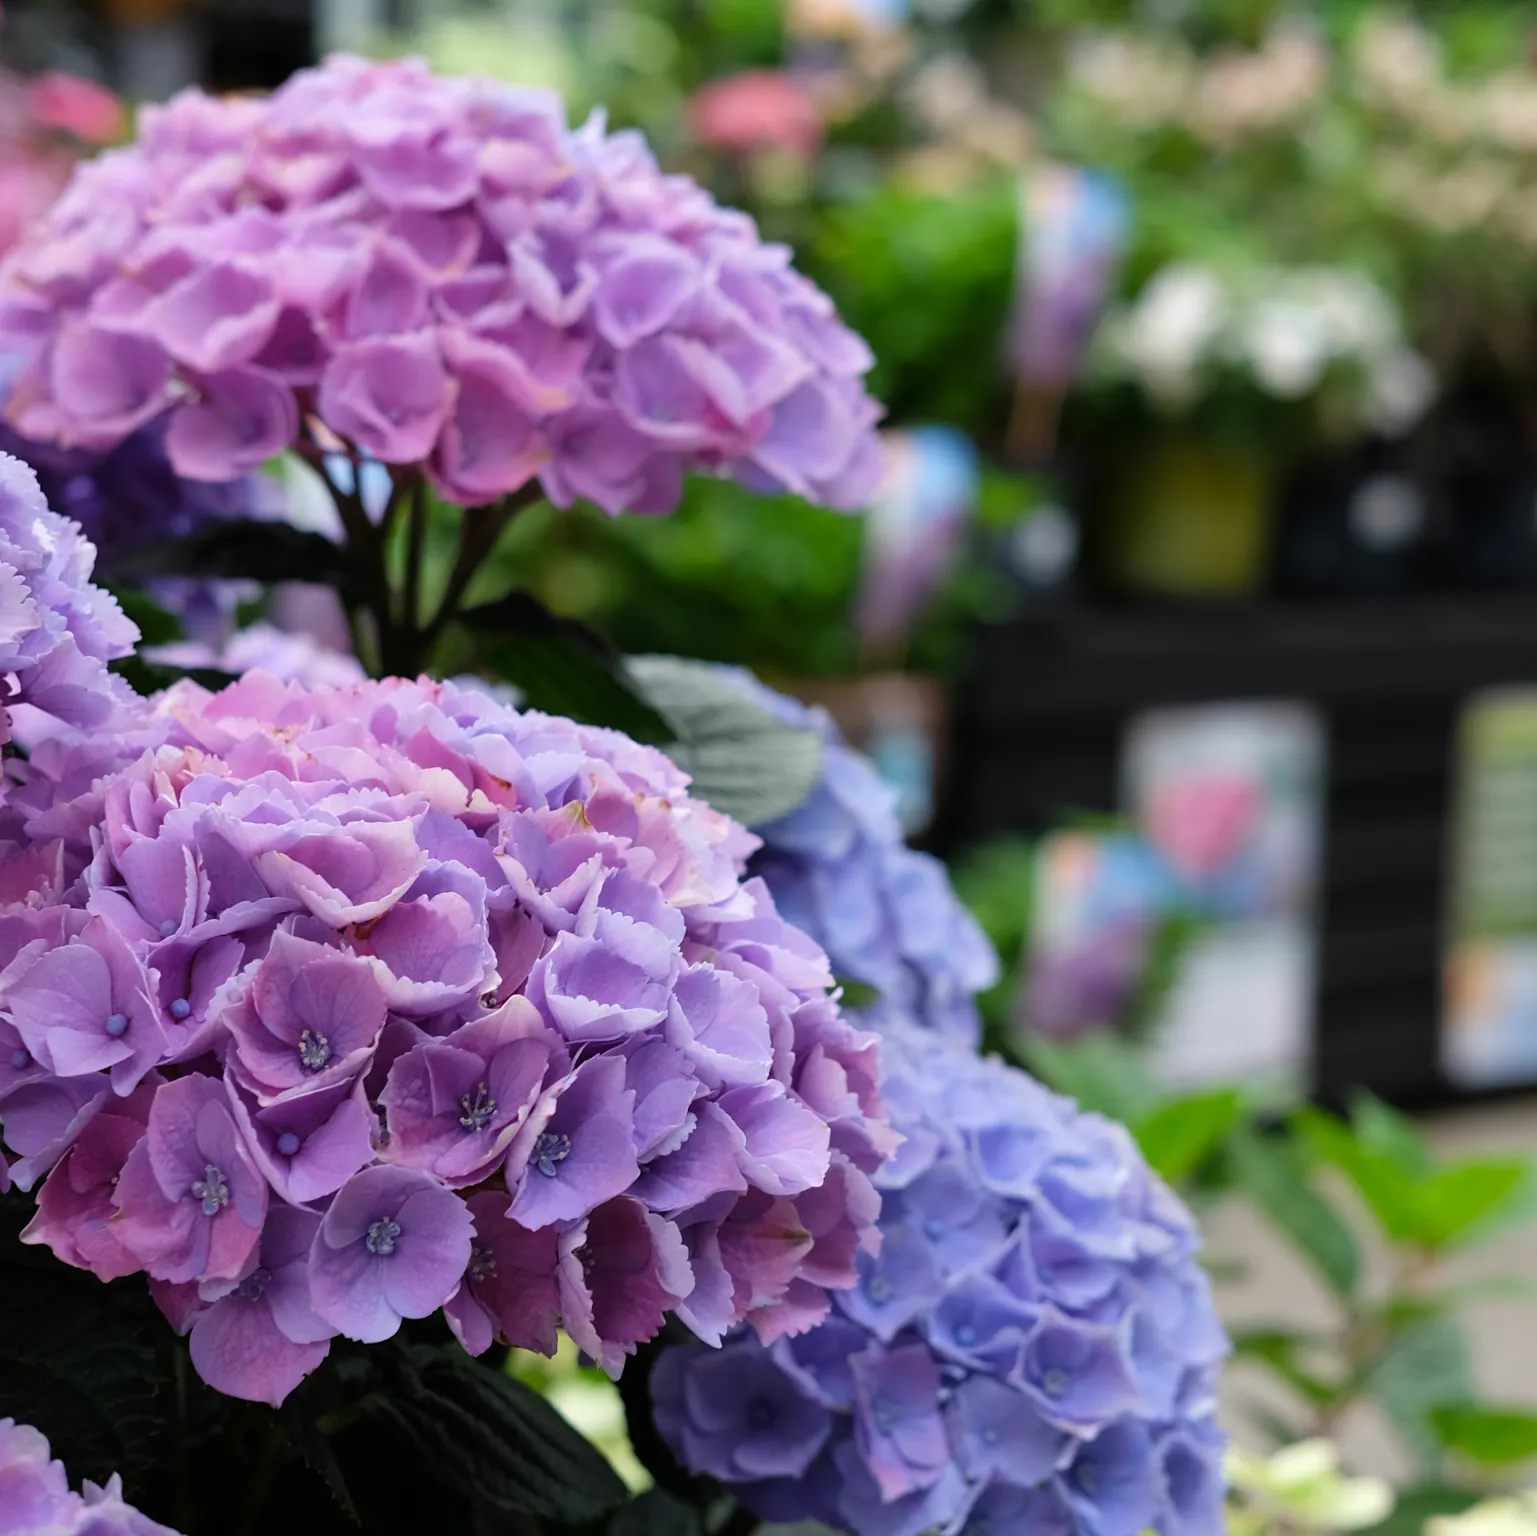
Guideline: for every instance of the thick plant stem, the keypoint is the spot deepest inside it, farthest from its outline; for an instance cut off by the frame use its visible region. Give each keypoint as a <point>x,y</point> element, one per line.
<point>416,541</point>
<point>396,641</point>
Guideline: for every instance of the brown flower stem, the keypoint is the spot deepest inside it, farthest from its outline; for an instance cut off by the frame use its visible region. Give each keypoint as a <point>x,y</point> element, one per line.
<point>395,642</point>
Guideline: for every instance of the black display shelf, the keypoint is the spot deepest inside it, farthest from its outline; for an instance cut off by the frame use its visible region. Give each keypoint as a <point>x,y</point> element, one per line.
<point>1037,732</point>
<point>255,45</point>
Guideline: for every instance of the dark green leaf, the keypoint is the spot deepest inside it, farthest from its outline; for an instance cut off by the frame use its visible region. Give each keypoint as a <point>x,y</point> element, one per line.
<point>646,1439</point>
<point>156,625</point>
<point>1102,1071</point>
<point>147,677</point>
<point>1181,1134</point>
<point>81,1360</point>
<point>744,760</point>
<point>1274,1175</point>
<point>858,994</point>
<point>1494,1437</point>
<point>242,550</point>
<point>654,1513</point>
<point>495,1440</point>
<point>320,1457</point>
<point>560,666</point>
<point>1425,1368</point>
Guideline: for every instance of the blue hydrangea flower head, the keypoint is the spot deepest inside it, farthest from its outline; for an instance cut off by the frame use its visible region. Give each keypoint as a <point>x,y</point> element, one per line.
<point>1034,1348</point>
<point>885,914</point>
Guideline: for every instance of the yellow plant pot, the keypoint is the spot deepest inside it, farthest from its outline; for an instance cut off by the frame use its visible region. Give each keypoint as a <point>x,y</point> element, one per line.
<point>1190,520</point>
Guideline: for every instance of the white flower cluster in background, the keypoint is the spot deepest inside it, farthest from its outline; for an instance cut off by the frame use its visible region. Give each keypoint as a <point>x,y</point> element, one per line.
<point>1286,331</point>
<point>1302,1491</point>
<point>1222,98</point>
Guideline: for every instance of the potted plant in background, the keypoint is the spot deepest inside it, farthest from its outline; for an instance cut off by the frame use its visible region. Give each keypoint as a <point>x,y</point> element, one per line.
<point>1215,379</point>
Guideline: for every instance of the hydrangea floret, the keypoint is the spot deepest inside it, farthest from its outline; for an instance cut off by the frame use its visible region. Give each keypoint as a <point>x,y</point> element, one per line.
<point>1033,1348</point>
<point>346,1005</point>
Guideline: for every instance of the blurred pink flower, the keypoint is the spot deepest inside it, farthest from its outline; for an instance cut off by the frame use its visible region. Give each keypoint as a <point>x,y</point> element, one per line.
<point>29,183</point>
<point>757,109</point>
<point>69,104</point>
<point>1199,823</point>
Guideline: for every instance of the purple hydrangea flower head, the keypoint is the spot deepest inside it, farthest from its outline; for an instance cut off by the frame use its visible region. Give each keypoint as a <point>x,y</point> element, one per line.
<point>335,1006</point>
<point>885,913</point>
<point>441,274</point>
<point>36,1499</point>
<point>1036,1352</point>
<point>128,496</point>
<point>58,630</point>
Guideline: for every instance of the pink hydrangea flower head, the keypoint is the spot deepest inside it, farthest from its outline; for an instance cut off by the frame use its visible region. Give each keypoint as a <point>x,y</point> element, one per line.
<point>444,275</point>
<point>339,1005</point>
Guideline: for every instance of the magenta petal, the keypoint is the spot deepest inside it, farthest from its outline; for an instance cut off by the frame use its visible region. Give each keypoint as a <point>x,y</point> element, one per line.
<point>244,418</point>
<point>239,1350</point>
<point>489,446</point>
<point>642,290</point>
<point>108,383</point>
<point>214,319</point>
<point>389,396</point>
<point>166,1236</point>
<point>390,297</point>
